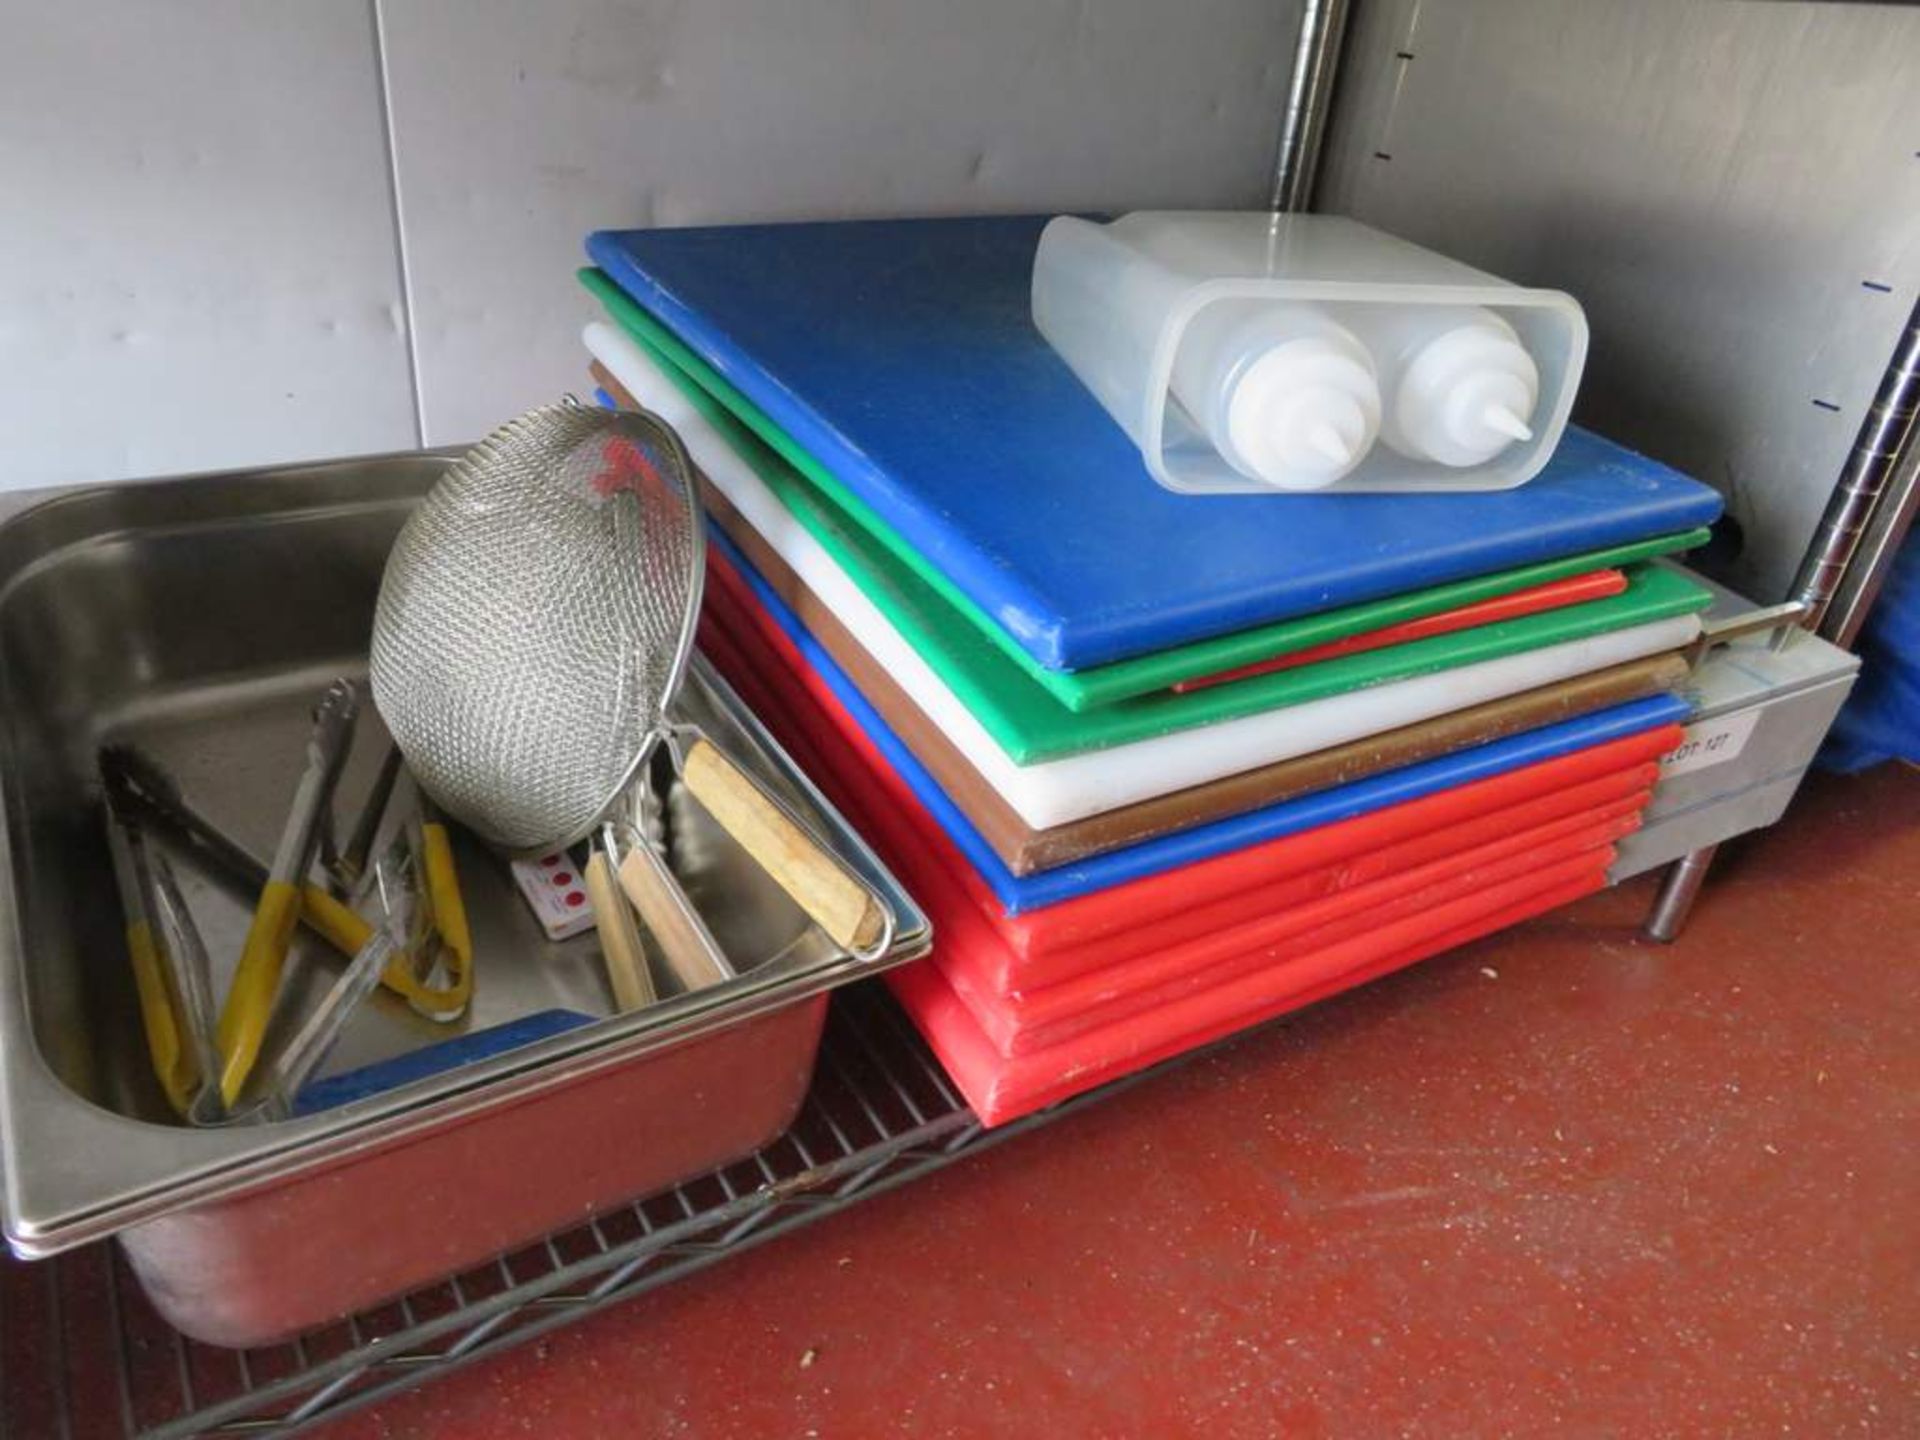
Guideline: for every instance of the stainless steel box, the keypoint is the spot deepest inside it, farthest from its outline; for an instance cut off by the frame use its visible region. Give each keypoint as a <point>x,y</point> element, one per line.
<point>200,617</point>
<point>1760,715</point>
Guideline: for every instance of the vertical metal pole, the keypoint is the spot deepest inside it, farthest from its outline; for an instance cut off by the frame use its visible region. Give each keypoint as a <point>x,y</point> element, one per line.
<point>1879,544</point>
<point>1874,501</point>
<point>1860,587</point>
<point>1885,434</point>
<point>1677,893</point>
<point>1303,127</point>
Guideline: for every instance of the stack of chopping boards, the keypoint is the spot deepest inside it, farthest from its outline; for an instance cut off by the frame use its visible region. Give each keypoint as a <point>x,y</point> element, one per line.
<point>1158,766</point>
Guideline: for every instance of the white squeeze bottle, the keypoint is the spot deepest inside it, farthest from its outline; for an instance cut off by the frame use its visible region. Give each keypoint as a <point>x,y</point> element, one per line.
<point>1458,385</point>
<point>1285,392</point>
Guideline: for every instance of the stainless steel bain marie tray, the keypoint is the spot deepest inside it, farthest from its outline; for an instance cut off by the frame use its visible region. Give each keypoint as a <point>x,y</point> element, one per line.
<point>199,617</point>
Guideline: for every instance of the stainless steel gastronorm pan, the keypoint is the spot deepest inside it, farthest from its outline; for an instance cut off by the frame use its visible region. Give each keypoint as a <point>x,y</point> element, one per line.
<point>199,618</point>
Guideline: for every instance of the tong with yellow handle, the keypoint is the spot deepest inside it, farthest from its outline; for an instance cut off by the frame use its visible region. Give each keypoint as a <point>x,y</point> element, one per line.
<point>159,1018</point>
<point>444,945</point>
<point>440,945</point>
<point>284,904</point>
<point>169,966</point>
<point>256,982</point>
<point>159,1011</point>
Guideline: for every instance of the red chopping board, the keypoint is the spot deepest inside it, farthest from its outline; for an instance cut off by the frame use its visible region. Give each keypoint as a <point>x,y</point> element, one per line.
<point>1574,590</point>
<point>1000,1088</point>
<point>1020,1022</point>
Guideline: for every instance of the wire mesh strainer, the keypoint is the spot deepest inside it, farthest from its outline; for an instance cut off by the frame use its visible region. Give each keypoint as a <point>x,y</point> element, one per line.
<point>533,625</point>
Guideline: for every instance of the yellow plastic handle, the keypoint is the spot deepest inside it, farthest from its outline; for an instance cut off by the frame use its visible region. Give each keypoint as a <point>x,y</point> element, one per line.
<point>443,889</point>
<point>335,922</point>
<point>171,1063</point>
<point>449,1001</point>
<point>249,1005</point>
<point>344,929</point>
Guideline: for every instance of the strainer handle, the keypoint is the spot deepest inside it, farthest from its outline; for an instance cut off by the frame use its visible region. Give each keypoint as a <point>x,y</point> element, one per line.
<point>684,940</point>
<point>836,900</point>
<point>620,948</point>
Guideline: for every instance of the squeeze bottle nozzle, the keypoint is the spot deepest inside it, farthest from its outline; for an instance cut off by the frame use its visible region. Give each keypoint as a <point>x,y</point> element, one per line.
<point>1285,393</point>
<point>1458,385</point>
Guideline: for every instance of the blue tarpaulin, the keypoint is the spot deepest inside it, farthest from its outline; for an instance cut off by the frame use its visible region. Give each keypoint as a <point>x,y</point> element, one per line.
<point>1882,719</point>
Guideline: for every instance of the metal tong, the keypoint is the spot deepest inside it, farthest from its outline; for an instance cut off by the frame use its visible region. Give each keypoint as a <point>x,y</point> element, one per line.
<point>434,970</point>
<point>278,1090</point>
<point>256,983</point>
<point>275,1086</point>
<point>170,971</point>
<point>412,894</point>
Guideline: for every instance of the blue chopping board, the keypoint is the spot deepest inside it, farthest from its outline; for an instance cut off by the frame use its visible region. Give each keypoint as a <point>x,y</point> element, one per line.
<point>902,355</point>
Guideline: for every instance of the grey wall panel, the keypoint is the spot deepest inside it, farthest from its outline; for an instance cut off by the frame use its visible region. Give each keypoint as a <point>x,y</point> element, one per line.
<point>519,128</point>
<point>1731,189</point>
<point>197,247</point>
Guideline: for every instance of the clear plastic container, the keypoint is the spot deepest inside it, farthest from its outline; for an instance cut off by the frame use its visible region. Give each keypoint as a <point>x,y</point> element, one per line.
<point>1122,303</point>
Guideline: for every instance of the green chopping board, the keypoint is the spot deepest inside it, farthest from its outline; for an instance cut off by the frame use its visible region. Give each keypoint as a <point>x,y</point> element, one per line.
<point>1091,689</point>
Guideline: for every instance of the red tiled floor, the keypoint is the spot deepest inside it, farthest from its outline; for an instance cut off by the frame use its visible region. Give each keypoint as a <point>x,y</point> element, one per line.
<point>1563,1182</point>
